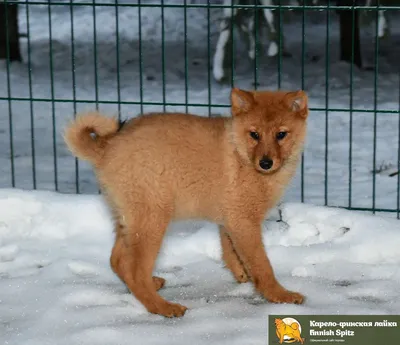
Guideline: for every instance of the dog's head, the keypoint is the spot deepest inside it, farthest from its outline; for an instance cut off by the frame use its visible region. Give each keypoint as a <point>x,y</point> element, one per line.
<point>268,127</point>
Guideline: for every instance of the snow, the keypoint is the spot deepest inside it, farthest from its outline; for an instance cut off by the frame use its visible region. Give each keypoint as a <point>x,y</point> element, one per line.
<point>56,285</point>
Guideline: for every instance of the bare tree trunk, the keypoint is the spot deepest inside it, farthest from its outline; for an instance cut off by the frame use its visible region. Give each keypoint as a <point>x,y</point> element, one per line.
<point>349,28</point>
<point>9,35</point>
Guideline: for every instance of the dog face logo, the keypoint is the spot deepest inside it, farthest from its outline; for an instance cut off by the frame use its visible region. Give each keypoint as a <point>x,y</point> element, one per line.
<point>288,330</point>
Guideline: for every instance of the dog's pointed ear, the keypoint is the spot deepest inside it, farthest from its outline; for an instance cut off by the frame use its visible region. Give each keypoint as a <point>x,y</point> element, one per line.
<point>297,101</point>
<point>241,101</point>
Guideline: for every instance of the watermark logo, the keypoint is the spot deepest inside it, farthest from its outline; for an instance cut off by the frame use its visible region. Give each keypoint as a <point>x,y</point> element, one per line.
<point>288,330</point>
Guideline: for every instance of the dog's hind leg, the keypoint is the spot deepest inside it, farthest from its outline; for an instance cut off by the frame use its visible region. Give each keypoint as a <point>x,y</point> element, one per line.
<point>231,258</point>
<point>144,228</point>
<point>120,260</point>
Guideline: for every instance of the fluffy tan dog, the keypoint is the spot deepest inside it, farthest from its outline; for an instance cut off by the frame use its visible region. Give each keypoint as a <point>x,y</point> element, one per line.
<point>162,167</point>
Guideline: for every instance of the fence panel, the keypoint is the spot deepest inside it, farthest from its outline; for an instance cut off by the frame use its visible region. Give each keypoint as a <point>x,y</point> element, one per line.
<point>129,57</point>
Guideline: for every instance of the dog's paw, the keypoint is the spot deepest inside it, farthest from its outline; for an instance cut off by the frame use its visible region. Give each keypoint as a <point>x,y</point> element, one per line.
<point>158,282</point>
<point>286,296</point>
<point>168,309</point>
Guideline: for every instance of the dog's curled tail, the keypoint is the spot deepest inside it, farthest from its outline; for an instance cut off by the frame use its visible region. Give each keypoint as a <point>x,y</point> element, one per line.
<point>88,135</point>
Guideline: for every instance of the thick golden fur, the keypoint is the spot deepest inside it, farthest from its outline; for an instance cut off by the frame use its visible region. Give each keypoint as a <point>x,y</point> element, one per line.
<point>163,167</point>
<point>79,136</point>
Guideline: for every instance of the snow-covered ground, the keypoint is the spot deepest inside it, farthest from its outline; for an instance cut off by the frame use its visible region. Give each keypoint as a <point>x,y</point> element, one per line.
<point>57,288</point>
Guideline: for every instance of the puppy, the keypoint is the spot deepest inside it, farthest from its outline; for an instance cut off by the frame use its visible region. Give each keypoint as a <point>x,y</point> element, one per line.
<point>157,168</point>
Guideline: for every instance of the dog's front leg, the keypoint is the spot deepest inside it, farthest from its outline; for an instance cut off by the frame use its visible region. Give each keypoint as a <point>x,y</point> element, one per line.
<point>230,257</point>
<point>247,241</point>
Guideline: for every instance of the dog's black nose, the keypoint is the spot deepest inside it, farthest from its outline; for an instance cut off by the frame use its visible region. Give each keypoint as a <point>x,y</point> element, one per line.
<point>266,163</point>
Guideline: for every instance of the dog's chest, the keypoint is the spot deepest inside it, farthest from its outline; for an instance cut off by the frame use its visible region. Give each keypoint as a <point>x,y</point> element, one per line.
<point>269,189</point>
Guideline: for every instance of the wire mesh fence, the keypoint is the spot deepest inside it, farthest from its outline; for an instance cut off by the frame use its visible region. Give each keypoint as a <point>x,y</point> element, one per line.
<point>130,57</point>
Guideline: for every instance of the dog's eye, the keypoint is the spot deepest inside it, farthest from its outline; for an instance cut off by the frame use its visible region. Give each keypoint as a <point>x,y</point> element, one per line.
<point>255,135</point>
<point>281,135</point>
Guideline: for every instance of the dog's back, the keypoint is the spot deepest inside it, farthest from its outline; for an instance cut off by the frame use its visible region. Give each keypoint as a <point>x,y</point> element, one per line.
<point>176,156</point>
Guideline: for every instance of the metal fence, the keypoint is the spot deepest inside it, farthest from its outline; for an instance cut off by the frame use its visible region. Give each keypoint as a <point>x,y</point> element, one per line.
<point>129,57</point>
